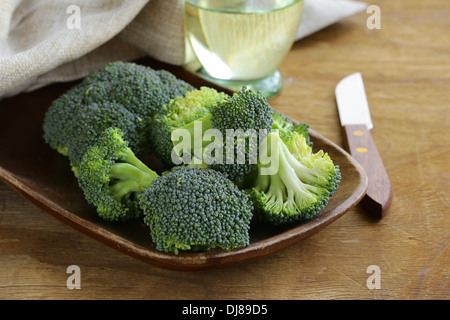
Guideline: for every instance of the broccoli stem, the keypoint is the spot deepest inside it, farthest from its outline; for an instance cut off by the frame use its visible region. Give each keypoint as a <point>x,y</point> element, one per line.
<point>298,192</point>
<point>128,156</point>
<point>127,178</point>
<point>307,175</point>
<point>122,189</point>
<point>262,182</point>
<point>276,194</point>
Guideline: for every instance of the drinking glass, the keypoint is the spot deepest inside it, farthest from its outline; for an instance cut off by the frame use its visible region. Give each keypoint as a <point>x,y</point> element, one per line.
<point>242,42</point>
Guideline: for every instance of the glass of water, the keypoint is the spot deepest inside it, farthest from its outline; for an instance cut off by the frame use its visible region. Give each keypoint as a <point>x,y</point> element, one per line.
<point>242,42</point>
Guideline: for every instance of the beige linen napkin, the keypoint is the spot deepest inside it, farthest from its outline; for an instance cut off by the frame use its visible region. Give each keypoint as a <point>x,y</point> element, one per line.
<point>318,14</point>
<point>40,42</point>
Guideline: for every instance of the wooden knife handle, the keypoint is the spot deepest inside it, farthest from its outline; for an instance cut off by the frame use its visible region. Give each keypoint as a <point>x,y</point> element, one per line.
<point>362,147</point>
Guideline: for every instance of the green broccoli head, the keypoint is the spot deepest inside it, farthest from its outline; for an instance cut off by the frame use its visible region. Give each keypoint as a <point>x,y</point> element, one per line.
<point>115,71</point>
<point>249,115</point>
<point>191,209</point>
<point>241,122</point>
<point>172,87</point>
<point>245,110</point>
<point>58,115</point>
<point>87,123</point>
<point>180,111</point>
<point>120,94</point>
<point>134,86</point>
<point>111,177</point>
<point>137,88</point>
<point>140,89</point>
<point>295,184</point>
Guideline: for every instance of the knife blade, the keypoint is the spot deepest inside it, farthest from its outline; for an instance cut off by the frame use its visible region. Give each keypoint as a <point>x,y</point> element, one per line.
<point>356,121</point>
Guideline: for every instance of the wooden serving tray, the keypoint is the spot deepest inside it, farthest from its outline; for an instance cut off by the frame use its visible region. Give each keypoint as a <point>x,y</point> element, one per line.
<point>40,174</point>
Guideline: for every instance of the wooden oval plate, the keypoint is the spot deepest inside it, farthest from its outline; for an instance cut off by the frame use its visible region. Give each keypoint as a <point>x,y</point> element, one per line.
<point>40,174</point>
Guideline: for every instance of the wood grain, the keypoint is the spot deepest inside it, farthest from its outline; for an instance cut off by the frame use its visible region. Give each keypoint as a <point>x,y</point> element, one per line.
<point>406,72</point>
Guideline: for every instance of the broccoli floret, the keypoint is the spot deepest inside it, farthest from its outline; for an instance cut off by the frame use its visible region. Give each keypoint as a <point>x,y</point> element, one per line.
<point>295,184</point>
<point>120,94</point>
<point>192,209</point>
<point>135,86</point>
<point>246,110</point>
<point>180,111</point>
<point>243,121</point>
<point>71,125</point>
<point>58,115</point>
<point>86,123</point>
<point>114,72</point>
<point>138,88</point>
<point>111,177</point>
<point>172,86</point>
<point>285,126</point>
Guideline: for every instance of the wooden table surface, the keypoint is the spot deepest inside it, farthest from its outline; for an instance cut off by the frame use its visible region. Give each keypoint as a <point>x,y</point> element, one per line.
<point>406,69</point>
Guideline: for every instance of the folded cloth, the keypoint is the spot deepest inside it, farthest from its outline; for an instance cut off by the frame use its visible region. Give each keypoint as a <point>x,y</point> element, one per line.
<point>43,42</point>
<point>318,14</point>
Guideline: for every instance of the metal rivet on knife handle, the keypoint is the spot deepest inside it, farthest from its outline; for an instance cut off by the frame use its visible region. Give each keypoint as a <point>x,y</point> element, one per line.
<point>358,133</point>
<point>361,150</point>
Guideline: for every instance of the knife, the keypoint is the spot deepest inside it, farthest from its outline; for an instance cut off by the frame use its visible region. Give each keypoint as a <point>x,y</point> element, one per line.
<point>355,118</point>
